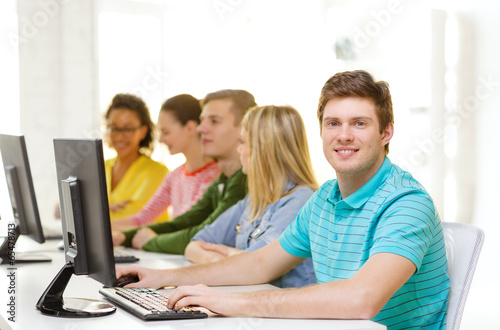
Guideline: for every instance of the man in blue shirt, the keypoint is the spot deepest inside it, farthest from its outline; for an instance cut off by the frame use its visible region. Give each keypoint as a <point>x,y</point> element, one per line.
<point>373,233</point>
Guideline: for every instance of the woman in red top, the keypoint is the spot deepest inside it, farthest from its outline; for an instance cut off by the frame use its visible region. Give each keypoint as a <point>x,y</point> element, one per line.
<point>183,187</point>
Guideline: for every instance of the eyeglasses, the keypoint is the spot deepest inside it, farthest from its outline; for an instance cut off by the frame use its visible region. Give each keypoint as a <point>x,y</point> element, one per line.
<point>127,131</point>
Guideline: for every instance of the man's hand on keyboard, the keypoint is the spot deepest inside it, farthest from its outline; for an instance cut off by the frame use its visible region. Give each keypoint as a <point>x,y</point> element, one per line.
<point>220,302</point>
<point>217,301</point>
<point>148,278</point>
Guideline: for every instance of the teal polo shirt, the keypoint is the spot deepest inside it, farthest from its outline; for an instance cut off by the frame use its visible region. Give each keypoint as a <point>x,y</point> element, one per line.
<point>391,213</point>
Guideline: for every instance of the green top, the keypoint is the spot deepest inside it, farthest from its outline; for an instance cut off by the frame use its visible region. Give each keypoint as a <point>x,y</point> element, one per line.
<point>175,235</point>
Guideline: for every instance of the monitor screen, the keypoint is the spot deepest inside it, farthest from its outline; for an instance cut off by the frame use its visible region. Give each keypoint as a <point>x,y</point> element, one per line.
<point>88,245</point>
<point>22,197</point>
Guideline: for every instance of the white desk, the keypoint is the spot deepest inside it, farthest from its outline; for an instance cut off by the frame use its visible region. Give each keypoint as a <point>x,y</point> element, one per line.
<point>32,280</point>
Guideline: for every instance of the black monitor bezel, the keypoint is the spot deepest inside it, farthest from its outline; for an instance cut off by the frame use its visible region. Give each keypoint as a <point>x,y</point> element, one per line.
<point>26,217</point>
<point>83,159</point>
<point>15,156</point>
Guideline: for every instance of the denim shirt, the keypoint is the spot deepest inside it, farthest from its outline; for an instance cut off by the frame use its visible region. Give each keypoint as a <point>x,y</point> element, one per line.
<point>233,228</point>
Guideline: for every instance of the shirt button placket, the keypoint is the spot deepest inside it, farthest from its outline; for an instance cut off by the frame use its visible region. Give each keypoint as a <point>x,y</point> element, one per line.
<point>338,219</point>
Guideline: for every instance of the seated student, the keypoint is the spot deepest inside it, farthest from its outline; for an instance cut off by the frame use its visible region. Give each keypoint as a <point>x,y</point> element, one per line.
<point>183,187</point>
<point>220,129</point>
<point>131,177</point>
<point>275,156</point>
<point>373,233</point>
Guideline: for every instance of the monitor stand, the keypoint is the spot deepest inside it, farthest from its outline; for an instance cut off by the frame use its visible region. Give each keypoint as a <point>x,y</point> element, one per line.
<point>9,256</point>
<point>52,303</point>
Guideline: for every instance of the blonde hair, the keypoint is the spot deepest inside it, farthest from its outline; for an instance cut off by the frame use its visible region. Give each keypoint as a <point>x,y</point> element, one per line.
<point>278,153</point>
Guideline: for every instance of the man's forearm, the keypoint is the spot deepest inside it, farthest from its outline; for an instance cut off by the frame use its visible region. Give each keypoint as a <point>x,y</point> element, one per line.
<point>242,269</point>
<point>360,297</point>
<point>333,300</point>
<point>174,243</point>
<point>328,300</point>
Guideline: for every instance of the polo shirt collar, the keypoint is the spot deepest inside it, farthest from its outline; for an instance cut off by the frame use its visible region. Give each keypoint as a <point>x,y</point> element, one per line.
<point>363,194</point>
<point>223,177</point>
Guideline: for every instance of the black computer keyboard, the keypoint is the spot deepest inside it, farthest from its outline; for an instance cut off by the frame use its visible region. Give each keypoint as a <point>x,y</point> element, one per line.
<point>123,257</point>
<point>149,304</point>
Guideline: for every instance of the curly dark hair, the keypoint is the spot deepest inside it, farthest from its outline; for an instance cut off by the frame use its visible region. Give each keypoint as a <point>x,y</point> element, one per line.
<point>137,105</point>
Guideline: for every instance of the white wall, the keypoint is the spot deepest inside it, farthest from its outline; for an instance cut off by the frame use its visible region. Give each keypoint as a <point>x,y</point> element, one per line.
<point>481,312</point>
<point>58,84</point>
<point>9,66</point>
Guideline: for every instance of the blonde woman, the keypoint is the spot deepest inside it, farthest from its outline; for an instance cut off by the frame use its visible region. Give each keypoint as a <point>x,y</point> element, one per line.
<point>275,156</point>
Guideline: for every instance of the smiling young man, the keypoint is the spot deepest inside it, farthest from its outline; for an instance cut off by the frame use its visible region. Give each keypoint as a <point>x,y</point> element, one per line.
<point>220,128</point>
<point>373,233</point>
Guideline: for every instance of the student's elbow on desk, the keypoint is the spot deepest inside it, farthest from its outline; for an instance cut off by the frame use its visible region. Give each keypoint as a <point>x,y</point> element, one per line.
<point>365,304</point>
<point>271,261</point>
<point>344,299</point>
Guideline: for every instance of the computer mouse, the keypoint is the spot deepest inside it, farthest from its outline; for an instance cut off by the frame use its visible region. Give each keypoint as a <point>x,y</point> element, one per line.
<point>126,279</point>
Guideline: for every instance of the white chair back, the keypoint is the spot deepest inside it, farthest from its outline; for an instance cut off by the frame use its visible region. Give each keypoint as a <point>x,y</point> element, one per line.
<point>463,246</point>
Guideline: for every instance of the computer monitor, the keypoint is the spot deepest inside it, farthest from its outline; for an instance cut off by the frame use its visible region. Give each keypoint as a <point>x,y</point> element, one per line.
<point>88,245</point>
<point>23,200</point>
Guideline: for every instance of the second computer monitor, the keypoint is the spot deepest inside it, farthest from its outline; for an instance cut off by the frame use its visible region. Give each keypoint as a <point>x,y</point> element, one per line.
<point>22,197</point>
<point>88,245</point>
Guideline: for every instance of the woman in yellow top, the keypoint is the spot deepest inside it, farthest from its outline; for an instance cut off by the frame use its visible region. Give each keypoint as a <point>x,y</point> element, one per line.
<point>132,176</point>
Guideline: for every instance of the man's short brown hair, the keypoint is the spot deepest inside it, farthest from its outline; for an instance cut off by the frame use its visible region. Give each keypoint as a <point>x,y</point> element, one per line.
<point>242,101</point>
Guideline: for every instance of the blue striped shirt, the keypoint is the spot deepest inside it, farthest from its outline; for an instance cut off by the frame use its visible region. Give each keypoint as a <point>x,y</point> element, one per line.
<point>391,213</point>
